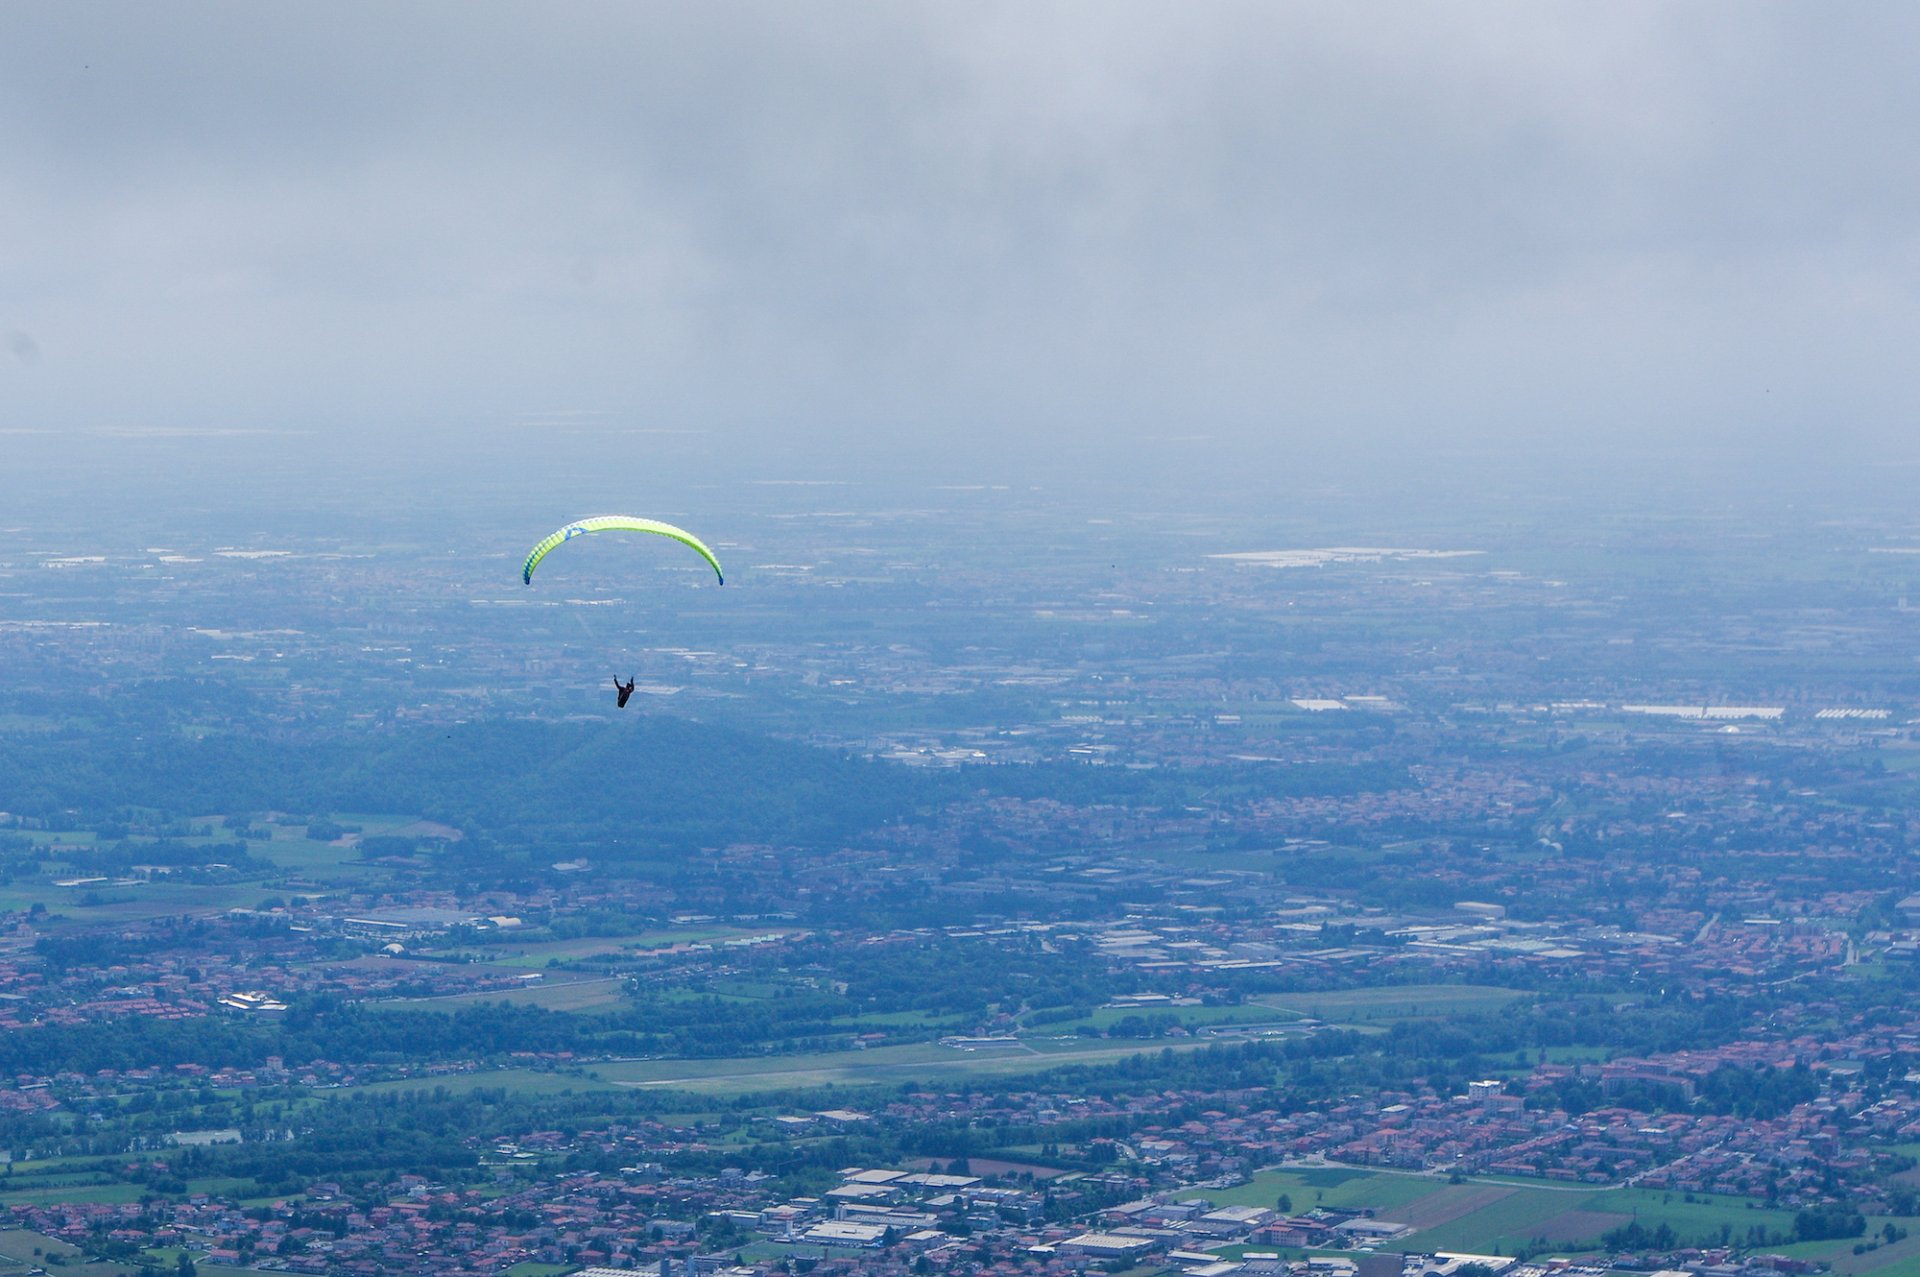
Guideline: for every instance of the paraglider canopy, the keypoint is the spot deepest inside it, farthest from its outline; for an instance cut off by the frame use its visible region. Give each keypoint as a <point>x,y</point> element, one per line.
<point>617,523</point>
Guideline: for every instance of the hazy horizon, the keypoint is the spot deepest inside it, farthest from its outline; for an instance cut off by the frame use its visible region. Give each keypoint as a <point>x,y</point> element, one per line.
<point>1138,241</point>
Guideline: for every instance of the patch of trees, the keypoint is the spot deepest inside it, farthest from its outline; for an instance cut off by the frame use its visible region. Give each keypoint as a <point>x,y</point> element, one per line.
<point>1835,1219</point>
<point>918,975</point>
<point>633,789</point>
<point>644,789</point>
<point>1757,1093</point>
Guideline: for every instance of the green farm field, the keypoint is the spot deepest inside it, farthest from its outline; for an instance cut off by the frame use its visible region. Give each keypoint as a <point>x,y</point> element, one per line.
<point>1478,1216</point>
<point>323,861</point>
<point>1896,1259</point>
<point>88,1193</point>
<point>1334,1187</point>
<point>566,995</point>
<point>1575,1218</point>
<point>1502,1215</point>
<point>21,1250</point>
<point>139,902</point>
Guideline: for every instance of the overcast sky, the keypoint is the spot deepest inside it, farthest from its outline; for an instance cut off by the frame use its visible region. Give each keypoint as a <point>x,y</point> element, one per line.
<point>1059,225</point>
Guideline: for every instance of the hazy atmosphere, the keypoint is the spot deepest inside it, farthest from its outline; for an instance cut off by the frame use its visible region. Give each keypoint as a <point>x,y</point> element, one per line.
<point>1153,232</point>
<point>976,640</point>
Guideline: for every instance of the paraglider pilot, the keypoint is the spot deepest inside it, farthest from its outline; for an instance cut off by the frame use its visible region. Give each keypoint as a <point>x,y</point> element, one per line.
<point>623,689</point>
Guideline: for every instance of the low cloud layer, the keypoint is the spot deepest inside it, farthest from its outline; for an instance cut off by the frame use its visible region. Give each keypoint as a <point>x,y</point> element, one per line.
<point>1068,224</point>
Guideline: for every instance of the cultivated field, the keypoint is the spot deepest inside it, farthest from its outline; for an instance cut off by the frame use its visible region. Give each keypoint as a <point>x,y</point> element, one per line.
<point>1502,1216</point>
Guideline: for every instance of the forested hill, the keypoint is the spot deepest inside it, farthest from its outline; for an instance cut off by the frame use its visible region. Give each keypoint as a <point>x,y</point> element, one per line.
<point>662,782</point>
<point>665,780</point>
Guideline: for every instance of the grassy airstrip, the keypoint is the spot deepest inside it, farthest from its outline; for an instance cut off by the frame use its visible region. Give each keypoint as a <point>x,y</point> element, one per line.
<point>886,1065</point>
<point>746,1075</point>
<point>519,1081</point>
<point>1393,1002</point>
<point>1105,1018</point>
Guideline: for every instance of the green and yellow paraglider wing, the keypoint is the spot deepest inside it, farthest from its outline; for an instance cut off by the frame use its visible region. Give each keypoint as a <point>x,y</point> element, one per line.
<point>617,523</point>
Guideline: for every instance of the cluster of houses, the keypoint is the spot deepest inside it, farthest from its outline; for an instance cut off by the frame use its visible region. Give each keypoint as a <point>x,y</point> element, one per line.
<point>877,1222</point>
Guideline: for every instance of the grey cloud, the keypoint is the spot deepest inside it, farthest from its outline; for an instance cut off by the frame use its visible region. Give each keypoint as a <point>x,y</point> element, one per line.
<point>1065,220</point>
